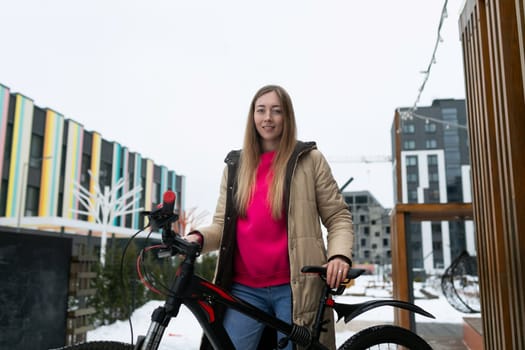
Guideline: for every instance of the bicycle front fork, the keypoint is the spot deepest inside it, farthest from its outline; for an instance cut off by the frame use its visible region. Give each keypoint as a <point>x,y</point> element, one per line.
<point>159,322</point>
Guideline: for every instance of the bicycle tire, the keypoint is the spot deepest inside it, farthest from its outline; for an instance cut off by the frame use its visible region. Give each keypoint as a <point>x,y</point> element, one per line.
<point>98,345</point>
<point>385,334</point>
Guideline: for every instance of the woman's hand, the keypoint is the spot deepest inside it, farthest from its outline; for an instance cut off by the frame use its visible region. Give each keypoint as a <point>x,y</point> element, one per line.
<point>194,237</point>
<point>336,271</point>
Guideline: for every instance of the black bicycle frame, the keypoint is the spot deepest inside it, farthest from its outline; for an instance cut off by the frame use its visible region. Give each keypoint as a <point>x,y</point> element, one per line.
<point>201,304</point>
<point>200,297</point>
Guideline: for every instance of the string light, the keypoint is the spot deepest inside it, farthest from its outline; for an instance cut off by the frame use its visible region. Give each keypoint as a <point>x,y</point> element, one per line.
<point>433,57</point>
<point>427,119</point>
<point>409,113</point>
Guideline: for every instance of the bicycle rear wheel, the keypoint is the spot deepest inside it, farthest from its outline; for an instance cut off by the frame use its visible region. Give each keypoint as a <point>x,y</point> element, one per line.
<point>98,345</point>
<point>385,337</point>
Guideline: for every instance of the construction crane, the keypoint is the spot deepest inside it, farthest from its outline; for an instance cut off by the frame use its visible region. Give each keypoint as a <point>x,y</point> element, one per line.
<point>360,159</point>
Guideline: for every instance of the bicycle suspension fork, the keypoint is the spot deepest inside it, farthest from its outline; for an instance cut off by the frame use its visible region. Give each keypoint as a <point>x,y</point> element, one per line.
<point>158,324</point>
<point>162,315</point>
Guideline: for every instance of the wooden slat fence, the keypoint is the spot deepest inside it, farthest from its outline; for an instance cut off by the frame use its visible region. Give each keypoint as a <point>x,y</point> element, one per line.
<point>82,275</point>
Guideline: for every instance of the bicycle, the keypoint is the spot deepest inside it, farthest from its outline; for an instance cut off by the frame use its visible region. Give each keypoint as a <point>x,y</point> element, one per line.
<point>201,296</point>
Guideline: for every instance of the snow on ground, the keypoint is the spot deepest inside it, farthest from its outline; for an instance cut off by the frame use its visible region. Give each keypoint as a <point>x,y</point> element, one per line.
<point>184,331</point>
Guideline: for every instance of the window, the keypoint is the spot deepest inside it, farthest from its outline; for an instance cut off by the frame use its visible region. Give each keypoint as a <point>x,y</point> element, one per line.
<point>387,230</point>
<point>409,128</point>
<point>366,230</point>
<point>363,242</point>
<point>155,195</point>
<point>32,197</point>
<point>450,114</point>
<point>385,242</point>
<point>433,195</point>
<point>412,177</point>
<point>377,234</point>
<point>36,149</point>
<point>104,178</point>
<point>409,144</point>
<point>362,218</point>
<point>142,199</point>
<point>451,140</point>
<point>416,246</point>
<point>128,220</point>
<point>86,164</point>
<point>432,159</point>
<point>430,127</point>
<point>411,160</point>
<point>367,254</point>
<point>374,246</point>
<point>431,143</point>
<point>412,196</point>
<point>361,199</point>
<point>3,198</point>
<point>433,177</point>
<point>8,144</point>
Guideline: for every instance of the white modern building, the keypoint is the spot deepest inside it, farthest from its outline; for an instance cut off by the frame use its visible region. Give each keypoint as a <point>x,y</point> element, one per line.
<point>435,168</point>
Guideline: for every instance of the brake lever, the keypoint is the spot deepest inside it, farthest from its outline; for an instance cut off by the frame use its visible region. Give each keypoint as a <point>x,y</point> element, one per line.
<point>164,253</point>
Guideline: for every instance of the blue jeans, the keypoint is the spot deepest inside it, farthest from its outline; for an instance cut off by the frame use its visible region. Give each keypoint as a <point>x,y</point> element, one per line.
<point>245,332</point>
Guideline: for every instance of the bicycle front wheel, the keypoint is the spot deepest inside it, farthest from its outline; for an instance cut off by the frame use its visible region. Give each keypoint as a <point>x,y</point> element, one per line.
<point>98,345</point>
<point>385,337</point>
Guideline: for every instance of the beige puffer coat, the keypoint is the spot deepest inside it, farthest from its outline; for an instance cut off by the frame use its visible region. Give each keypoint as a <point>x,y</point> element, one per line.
<point>312,196</point>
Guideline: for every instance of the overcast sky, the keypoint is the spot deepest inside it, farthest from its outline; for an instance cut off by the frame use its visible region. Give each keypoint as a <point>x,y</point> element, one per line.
<point>173,79</point>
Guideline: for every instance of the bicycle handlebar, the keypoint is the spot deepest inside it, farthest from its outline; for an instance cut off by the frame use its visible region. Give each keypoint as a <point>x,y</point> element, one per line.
<point>175,245</point>
<point>163,218</point>
<point>178,245</point>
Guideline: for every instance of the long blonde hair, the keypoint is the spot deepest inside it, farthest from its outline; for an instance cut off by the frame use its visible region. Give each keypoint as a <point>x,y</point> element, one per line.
<point>252,150</point>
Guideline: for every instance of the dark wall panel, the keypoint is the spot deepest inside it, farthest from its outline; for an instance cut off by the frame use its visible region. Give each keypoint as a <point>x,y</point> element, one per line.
<point>33,290</point>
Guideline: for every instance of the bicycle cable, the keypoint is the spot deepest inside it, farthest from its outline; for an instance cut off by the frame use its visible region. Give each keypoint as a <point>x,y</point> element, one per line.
<point>149,279</point>
<point>122,274</point>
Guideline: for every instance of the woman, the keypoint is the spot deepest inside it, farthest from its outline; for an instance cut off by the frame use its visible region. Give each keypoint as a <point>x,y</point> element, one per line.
<point>274,193</point>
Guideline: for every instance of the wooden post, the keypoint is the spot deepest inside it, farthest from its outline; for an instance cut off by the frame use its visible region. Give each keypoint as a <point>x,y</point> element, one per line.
<point>400,266</point>
<point>400,218</point>
<point>493,40</point>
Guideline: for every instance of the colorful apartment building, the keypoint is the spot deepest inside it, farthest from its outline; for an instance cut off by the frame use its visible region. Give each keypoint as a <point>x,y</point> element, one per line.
<point>44,155</point>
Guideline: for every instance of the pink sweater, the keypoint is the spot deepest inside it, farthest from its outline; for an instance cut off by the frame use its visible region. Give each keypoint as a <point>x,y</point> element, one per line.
<point>261,257</point>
